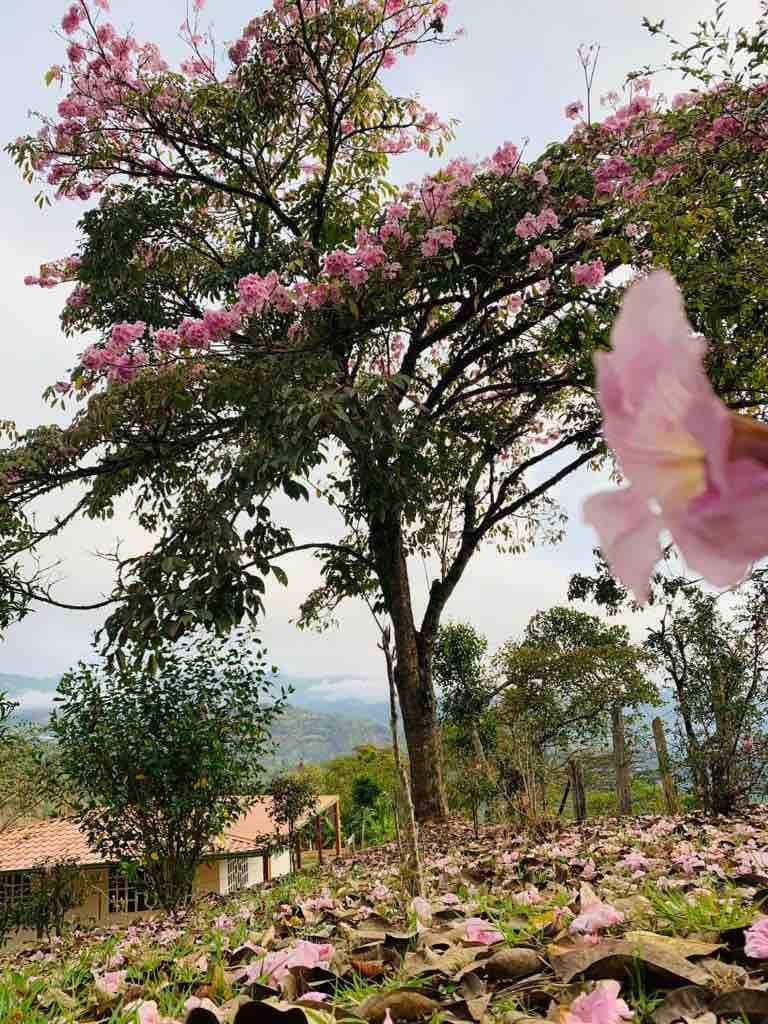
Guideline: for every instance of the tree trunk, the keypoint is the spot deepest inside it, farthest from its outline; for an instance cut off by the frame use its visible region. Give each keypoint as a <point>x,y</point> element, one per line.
<point>667,780</point>
<point>410,827</point>
<point>413,674</point>
<point>477,746</point>
<point>577,787</point>
<point>696,758</point>
<point>621,763</point>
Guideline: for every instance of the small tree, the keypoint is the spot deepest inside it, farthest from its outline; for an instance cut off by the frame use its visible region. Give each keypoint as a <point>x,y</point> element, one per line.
<point>462,680</point>
<point>715,657</point>
<point>293,796</point>
<point>476,787</point>
<point>162,763</point>
<point>566,674</point>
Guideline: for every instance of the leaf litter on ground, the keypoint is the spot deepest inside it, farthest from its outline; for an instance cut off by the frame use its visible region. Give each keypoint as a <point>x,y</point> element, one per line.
<point>517,926</point>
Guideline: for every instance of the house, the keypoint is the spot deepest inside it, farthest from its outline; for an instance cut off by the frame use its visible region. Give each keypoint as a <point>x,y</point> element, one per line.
<point>239,859</point>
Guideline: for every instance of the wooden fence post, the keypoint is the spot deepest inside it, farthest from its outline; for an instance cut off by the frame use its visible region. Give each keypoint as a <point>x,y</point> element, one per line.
<point>337,827</point>
<point>621,763</point>
<point>667,781</point>
<point>319,838</point>
<point>577,787</point>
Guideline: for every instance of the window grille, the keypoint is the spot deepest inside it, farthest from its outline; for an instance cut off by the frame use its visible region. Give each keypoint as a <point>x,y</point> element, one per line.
<point>15,887</point>
<point>127,895</point>
<point>237,874</point>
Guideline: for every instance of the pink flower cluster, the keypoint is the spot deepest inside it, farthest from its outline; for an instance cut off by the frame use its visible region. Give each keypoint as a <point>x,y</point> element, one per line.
<point>532,225</point>
<point>541,257</point>
<point>589,275</point>
<point>437,239</point>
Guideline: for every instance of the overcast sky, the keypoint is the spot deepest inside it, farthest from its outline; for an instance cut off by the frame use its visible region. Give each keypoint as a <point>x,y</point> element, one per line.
<point>507,79</point>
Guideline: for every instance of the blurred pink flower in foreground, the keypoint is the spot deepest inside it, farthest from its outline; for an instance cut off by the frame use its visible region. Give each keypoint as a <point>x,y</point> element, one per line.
<point>694,468</point>
<point>601,1006</point>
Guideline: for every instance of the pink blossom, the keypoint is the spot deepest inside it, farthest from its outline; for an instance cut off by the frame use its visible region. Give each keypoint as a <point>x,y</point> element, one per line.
<point>506,157</point>
<point>277,965</point>
<point>165,340</point>
<point>123,334</point>
<point>588,872</point>
<point>589,275</point>
<point>527,897</point>
<point>71,21</point>
<point>540,257</point>
<point>238,51</point>
<point>527,226</point>
<point>596,916</point>
<point>195,333</point>
<point>573,109</point>
<point>110,983</point>
<point>695,468</point>
<point>601,1006</point>
<point>338,263</point>
<point>422,909</point>
<point>541,179</point>
<point>547,218</point>
<point>756,940</point>
<point>477,930</point>
<point>148,1013</point>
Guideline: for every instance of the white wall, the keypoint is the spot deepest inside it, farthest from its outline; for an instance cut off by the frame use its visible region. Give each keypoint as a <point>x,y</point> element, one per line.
<point>281,864</point>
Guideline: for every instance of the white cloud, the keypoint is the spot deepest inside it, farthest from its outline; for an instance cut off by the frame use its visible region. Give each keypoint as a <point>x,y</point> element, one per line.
<point>34,700</point>
<point>372,691</point>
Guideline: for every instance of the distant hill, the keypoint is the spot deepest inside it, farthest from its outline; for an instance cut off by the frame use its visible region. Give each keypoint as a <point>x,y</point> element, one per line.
<point>312,736</point>
<point>327,728</point>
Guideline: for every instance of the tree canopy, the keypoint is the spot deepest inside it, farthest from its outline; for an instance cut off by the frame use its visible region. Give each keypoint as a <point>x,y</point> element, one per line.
<point>274,317</point>
<point>562,679</point>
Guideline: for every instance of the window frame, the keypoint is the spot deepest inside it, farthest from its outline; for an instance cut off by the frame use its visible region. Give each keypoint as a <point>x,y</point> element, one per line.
<point>126,895</point>
<point>238,874</point>
<point>15,888</point>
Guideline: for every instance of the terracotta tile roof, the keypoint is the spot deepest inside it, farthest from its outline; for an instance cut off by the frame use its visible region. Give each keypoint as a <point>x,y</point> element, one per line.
<point>59,838</point>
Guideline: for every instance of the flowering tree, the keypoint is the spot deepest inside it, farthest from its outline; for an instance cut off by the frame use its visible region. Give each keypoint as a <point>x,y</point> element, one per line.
<point>275,317</point>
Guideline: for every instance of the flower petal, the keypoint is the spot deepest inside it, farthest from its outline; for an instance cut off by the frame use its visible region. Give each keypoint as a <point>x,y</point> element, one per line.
<point>629,536</point>
<point>723,532</point>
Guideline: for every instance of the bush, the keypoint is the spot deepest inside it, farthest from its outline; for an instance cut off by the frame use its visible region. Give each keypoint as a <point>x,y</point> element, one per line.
<point>162,763</point>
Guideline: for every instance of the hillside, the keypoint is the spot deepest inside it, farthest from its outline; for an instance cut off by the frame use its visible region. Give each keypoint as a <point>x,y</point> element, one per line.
<point>313,736</point>
<point>303,734</point>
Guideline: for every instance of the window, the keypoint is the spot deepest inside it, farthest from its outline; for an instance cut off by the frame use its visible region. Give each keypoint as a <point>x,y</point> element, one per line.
<point>15,887</point>
<point>237,873</point>
<point>127,895</point>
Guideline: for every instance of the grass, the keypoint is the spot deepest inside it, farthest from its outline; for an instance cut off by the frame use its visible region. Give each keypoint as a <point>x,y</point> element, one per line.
<point>679,913</point>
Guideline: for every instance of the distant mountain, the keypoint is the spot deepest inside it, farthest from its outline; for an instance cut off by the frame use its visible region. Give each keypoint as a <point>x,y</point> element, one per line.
<point>312,736</point>
<point>360,698</point>
<point>327,725</point>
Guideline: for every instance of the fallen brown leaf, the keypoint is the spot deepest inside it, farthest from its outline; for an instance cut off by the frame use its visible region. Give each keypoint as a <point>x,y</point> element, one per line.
<point>403,1004</point>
